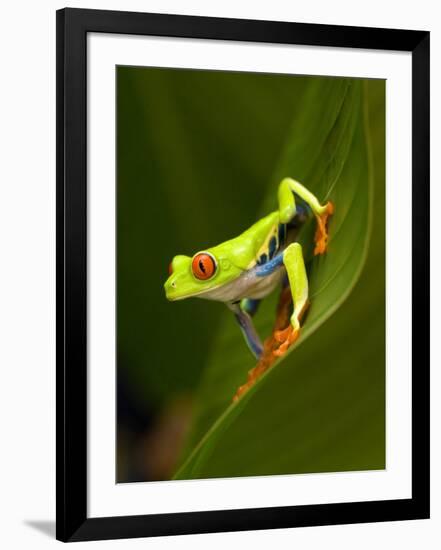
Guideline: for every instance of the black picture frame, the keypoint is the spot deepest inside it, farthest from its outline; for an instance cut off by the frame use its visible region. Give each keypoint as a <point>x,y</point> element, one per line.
<point>71,426</point>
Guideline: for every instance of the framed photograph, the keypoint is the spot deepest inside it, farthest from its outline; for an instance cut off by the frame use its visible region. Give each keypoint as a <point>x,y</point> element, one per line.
<point>242,274</point>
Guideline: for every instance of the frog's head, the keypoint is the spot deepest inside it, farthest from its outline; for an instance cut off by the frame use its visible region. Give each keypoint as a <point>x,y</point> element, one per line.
<point>205,271</point>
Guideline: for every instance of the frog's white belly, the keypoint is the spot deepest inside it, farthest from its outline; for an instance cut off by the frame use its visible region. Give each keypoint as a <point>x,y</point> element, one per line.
<point>248,285</point>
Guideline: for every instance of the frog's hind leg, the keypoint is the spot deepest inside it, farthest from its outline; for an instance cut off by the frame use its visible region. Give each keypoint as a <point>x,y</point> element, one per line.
<point>266,360</point>
<point>250,306</point>
<point>248,329</point>
<point>287,210</point>
<point>298,282</point>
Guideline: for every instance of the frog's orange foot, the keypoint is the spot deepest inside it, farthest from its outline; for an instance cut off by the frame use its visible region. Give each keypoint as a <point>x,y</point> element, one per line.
<point>241,390</point>
<point>321,234</point>
<point>286,338</point>
<point>253,375</point>
<point>265,362</point>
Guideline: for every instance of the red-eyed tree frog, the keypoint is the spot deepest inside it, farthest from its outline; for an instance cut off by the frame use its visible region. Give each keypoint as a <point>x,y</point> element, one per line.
<point>242,271</point>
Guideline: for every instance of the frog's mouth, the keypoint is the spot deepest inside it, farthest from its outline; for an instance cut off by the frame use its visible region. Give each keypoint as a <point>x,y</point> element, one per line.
<point>221,292</point>
<point>173,294</point>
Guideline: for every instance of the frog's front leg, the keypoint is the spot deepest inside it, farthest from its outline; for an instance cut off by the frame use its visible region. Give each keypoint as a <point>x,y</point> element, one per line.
<point>298,282</point>
<point>248,329</point>
<point>287,210</point>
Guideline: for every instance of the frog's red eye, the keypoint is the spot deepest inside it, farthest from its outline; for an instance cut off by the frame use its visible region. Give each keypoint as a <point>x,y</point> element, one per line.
<point>203,266</point>
<point>170,268</point>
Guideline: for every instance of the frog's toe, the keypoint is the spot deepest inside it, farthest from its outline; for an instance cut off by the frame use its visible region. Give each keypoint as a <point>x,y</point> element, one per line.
<point>321,234</point>
<point>286,338</point>
<point>253,375</point>
<point>281,335</point>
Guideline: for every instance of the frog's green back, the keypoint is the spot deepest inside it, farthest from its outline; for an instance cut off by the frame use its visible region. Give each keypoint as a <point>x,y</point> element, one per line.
<point>244,250</point>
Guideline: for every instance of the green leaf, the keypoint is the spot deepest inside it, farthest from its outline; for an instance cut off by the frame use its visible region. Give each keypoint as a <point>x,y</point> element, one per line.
<point>321,407</point>
<point>187,141</point>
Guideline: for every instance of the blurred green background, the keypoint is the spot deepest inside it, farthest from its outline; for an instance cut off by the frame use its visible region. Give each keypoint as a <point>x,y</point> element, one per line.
<point>199,156</point>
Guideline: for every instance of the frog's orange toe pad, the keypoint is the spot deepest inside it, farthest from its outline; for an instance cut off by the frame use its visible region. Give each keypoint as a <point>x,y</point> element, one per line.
<point>321,234</point>
<point>253,375</point>
<point>286,338</point>
<point>239,392</point>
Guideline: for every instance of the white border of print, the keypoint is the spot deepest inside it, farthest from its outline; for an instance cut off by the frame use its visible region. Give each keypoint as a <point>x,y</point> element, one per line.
<point>105,497</point>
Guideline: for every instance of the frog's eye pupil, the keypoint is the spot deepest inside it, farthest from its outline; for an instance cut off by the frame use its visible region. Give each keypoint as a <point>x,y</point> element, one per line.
<point>203,266</point>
